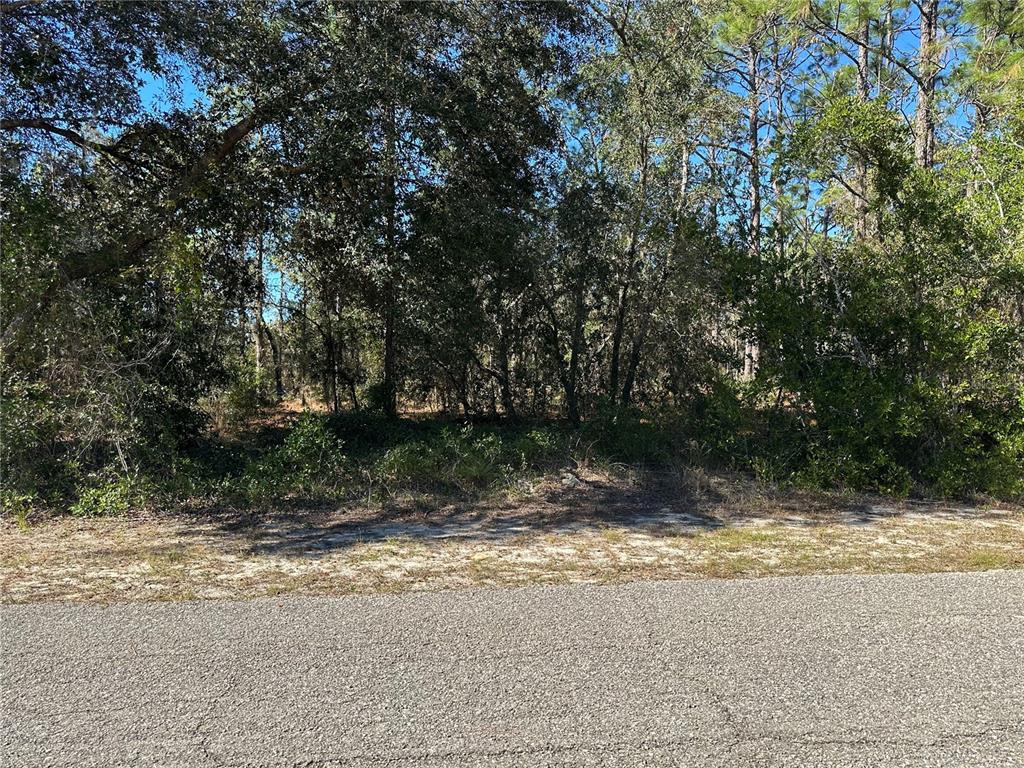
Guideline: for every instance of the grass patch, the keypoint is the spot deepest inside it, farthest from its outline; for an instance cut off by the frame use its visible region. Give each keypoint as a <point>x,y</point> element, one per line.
<point>558,535</point>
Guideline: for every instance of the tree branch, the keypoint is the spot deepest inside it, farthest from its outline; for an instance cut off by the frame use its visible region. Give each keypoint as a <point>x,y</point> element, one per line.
<point>129,251</point>
<point>66,133</point>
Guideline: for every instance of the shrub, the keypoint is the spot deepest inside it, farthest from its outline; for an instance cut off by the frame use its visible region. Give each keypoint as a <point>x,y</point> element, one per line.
<point>537,449</point>
<point>415,462</point>
<point>108,494</point>
<point>1004,468</point>
<point>311,450</point>
<point>454,458</point>
<point>628,435</point>
<point>467,457</point>
<point>311,459</point>
<point>31,460</point>
<point>17,506</point>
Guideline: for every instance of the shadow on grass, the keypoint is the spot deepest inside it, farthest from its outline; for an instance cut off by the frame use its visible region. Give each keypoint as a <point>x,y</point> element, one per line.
<point>655,501</point>
<point>658,505</point>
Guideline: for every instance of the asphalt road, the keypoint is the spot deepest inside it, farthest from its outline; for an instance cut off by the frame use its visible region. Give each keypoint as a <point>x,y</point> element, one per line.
<point>824,671</point>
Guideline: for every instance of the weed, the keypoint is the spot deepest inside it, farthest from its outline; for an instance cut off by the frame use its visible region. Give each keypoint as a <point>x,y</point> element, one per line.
<point>19,506</point>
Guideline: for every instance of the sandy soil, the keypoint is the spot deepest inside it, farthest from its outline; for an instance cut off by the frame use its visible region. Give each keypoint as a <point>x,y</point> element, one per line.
<point>580,527</point>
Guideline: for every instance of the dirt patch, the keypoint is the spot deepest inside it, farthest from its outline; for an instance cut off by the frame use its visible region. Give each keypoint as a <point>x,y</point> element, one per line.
<point>571,527</point>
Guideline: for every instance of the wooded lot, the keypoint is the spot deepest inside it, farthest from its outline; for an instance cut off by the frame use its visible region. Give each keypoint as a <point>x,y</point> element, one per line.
<point>471,239</point>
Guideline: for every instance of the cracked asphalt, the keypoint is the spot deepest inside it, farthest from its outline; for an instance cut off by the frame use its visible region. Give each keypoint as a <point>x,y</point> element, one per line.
<point>809,671</point>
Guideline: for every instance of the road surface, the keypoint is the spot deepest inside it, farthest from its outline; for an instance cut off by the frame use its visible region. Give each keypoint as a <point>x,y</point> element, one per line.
<point>812,671</point>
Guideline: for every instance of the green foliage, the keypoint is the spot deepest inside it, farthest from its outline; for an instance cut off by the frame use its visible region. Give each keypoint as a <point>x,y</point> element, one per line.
<point>1003,468</point>
<point>375,397</point>
<point>246,394</point>
<point>628,435</point>
<point>30,455</point>
<point>311,452</point>
<point>468,458</point>
<point>537,449</point>
<point>107,493</point>
<point>919,387</point>
<point>507,210</point>
<point>310,460</point>
<point>18,506</point>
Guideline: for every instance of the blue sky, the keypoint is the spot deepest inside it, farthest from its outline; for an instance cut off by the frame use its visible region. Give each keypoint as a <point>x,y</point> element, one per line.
<point>160,94</point>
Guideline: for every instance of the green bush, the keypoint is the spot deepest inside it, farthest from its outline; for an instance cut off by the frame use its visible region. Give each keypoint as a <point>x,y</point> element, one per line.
<point>468,457</point>
<point>537,449</point>
<point>628,435</point>
<point>32,461</point>
<point>311,459</point>
<point>454,458</point>
<point>415,462</point>
<point>311,450</point>
<point>1004,467</point>
<point>109,494</point>
<point>17,506</point>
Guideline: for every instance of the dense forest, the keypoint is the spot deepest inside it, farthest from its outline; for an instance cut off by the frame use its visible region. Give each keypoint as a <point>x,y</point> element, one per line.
<point>778,236</point>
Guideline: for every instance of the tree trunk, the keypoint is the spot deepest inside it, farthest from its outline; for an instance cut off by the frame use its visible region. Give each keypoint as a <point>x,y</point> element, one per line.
<point>280,326</point>
<point>462,390</point>
<point>636,354</point>
<point>927,72</point>
<point>634,363</point>
<point>303,372</point>
<point>618,331</point>
<point>753,137</point>
<point>330,370</point>
<point>352,393</point>
<point>863,45</point>
<point>863,93</point>
<point>275,350</point>
<point>622,301</point>
<point>779,110</point>
<point>751,351</point>
<point>505,381</point>
<point>389,394</point>
<point>575,350</point>
<point>389,374</point>
<point>715,176</point>
<point>884,49</point>
<point>257,336</point>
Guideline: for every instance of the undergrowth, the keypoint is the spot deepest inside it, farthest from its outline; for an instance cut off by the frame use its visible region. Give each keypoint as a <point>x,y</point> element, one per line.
<point>364,455</point>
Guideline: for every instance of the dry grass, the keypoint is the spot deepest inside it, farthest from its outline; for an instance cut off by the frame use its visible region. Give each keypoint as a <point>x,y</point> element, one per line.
<point>610,528</point>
